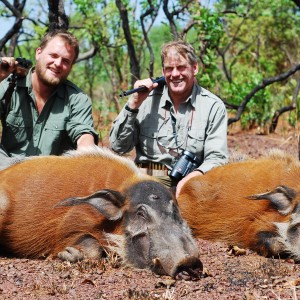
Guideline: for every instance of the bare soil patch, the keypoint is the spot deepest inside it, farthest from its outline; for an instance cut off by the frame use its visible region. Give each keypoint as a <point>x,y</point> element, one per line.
<point>226,276</point>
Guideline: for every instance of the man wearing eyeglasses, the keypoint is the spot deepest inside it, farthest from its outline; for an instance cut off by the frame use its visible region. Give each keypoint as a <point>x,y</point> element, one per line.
<point>163,122</point>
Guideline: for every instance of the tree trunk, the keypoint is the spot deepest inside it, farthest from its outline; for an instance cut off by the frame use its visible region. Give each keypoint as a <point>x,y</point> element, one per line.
<point>57,16</point>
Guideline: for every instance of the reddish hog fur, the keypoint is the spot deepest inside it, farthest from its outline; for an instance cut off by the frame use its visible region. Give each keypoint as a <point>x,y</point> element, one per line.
<point>53,179</point>
<point>253,204</point>
<point>74,206</point>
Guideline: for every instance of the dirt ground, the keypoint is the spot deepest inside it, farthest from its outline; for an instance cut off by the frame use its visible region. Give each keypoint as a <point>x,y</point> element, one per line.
<point>226,276</point>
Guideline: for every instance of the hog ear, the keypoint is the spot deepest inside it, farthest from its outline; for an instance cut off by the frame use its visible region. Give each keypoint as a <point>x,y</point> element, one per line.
<point>107,202</point>
<point>281,197</point>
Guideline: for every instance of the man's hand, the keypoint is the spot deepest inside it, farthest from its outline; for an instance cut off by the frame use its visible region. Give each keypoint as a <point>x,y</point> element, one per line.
<point>7,66</point>
<point>185,179</point>
<point>137,99</point>
<point>86,140</point>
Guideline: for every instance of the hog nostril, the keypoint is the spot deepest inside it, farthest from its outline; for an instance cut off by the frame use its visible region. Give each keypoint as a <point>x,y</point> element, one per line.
<point>156,262</point>
<point>157,266</point>
<point>190,269</point>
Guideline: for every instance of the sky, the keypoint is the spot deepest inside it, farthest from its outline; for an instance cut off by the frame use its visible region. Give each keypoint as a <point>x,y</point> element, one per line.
<point>6,23</point>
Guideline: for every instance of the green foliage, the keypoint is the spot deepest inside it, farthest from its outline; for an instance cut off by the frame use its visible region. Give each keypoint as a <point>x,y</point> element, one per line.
<point>3,10</point>
<point>257,40</point>
<point>159,34</point>
<point>239,44</point>
<point>211,28</point>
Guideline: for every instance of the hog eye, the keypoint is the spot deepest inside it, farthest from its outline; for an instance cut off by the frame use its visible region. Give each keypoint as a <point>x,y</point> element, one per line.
<point>294,230</point>
<point>153,197</point>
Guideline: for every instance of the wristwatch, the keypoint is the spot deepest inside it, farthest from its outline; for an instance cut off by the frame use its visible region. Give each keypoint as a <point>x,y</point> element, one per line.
<point>135,111</point>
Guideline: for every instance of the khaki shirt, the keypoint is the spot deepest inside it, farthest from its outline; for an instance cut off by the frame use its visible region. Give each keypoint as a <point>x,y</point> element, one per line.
<point>66,115</point>
<point>200,127</point>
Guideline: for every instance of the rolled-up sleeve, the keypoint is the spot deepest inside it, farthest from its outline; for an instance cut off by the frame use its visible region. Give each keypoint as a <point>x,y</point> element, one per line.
<point>216,149</point>
<point>81,118</point>
<point>3,88</point>
<point>124,132</point>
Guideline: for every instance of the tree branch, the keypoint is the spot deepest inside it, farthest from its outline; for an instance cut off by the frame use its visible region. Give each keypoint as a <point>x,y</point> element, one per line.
<point>261,86</point>
<point>284,109</point>
<point>88,54</point>
<point>57,16</point>
<point>297,2</point>
<point>153,12</point>
<point>134,64</point>
<point>13,32</point>
<point>16,12</point>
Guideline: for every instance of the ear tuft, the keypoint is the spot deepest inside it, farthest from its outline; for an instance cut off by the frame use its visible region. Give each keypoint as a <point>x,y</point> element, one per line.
<point>281,197</point>
<point>107,202</point>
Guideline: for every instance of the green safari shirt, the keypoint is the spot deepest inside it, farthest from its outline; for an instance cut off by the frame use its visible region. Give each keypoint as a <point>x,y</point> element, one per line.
<point>160,135</point>
<point>67,115</point>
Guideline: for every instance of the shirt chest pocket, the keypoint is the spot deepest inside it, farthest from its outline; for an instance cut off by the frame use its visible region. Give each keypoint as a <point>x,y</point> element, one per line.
<point>55,125</point>
<point>18,128</point>
<point>196,139</point>
<point>54,128</point>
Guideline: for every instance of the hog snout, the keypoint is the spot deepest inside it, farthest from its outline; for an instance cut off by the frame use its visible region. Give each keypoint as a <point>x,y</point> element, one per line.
<point>189,269</point>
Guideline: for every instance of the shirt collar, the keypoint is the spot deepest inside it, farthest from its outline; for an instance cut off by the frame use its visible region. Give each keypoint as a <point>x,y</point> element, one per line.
<point>197,90</point>
<point>27,82</point>
<point>166,102</point>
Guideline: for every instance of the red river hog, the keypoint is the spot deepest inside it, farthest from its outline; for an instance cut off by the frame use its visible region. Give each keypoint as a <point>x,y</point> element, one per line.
<point>76,205</point>
<point>254,204</point>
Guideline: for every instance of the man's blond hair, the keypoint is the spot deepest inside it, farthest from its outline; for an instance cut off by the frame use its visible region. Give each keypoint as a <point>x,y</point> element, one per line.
<point>183,48</point>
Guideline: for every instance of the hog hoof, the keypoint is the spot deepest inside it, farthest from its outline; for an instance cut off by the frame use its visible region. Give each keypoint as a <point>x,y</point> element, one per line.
<point>70,254</point>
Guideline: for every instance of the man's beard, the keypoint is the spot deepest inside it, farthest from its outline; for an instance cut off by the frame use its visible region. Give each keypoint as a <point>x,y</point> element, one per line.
<point>51,81</point>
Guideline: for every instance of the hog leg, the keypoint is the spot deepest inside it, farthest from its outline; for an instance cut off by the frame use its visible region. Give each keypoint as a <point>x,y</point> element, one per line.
<point>85,247</point>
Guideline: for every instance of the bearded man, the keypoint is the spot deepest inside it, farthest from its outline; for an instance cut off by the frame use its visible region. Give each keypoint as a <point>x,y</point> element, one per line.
<point>45,114</point>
